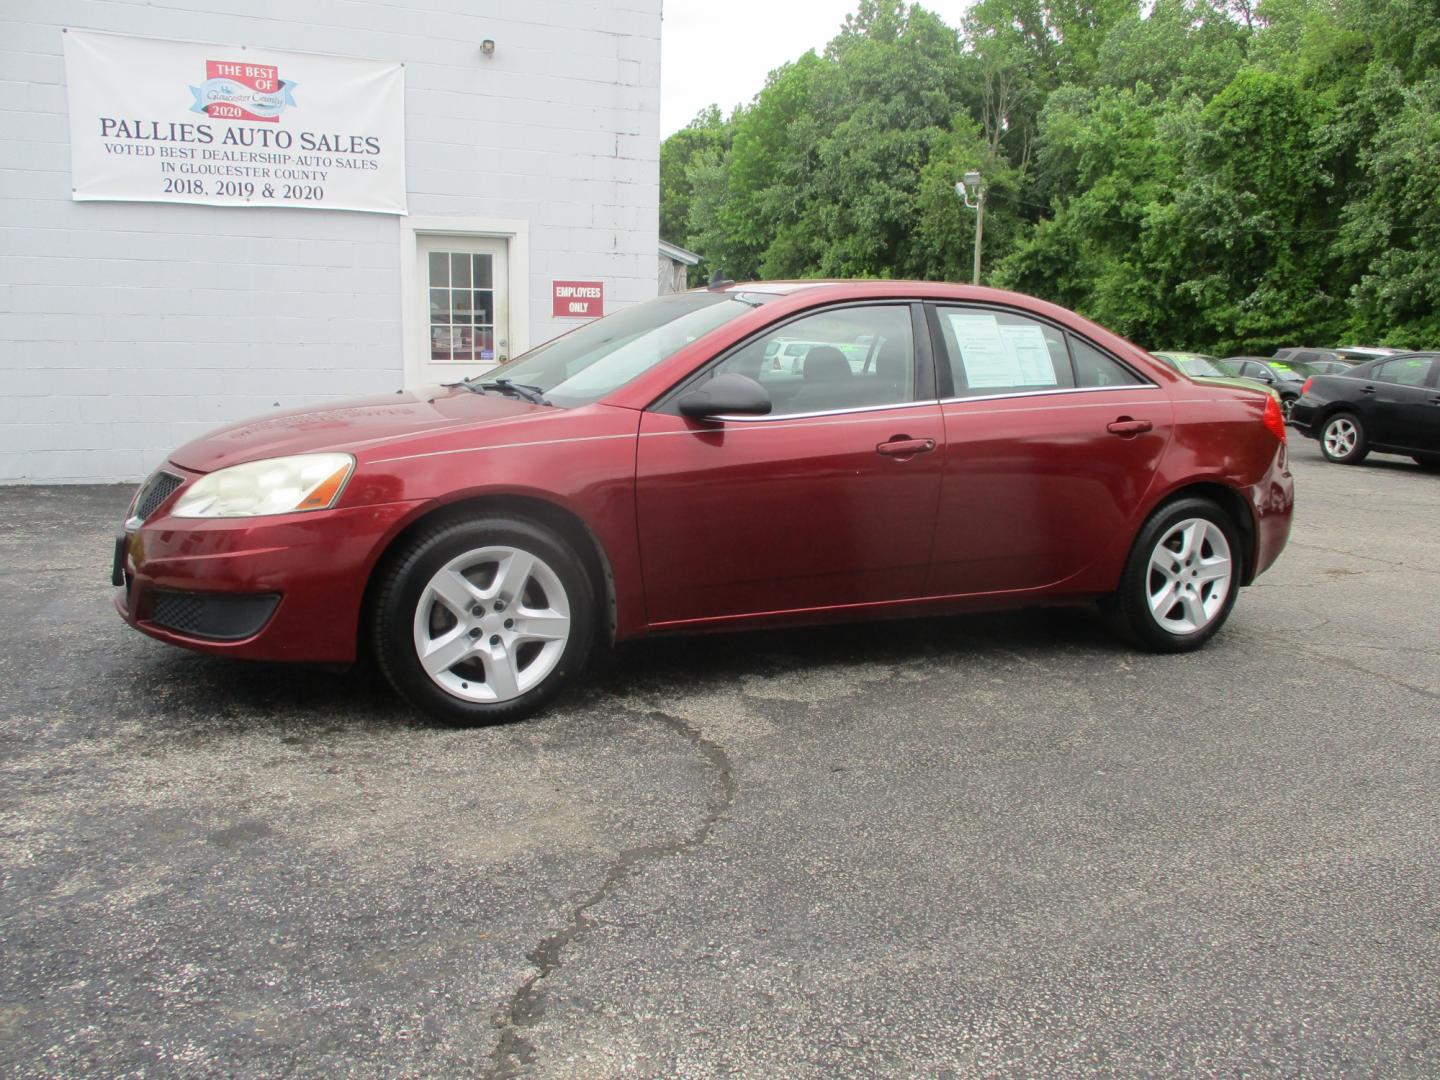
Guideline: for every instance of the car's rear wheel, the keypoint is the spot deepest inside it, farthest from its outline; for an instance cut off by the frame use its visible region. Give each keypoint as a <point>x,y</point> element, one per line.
<point>481,622</point>
<point>1181,579</point>
<point>1342,439</point>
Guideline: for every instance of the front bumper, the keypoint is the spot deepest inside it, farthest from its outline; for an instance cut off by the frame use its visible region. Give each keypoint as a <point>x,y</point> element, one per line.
<point>286,587</point>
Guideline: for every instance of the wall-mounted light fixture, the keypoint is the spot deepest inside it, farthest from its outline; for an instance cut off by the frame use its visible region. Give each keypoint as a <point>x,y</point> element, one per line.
<point>487,47</point>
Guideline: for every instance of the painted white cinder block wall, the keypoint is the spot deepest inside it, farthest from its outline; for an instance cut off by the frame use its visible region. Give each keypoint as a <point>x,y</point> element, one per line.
<point>129,328</point>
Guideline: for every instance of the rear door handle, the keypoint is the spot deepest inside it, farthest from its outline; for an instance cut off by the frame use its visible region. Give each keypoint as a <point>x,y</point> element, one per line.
<point>1367,389</point>
<point>904,446</point>
<point>1125,426</point>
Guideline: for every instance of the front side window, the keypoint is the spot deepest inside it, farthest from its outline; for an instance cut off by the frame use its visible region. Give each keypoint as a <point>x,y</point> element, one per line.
<point>1407,370</point>
<point>844,358</point>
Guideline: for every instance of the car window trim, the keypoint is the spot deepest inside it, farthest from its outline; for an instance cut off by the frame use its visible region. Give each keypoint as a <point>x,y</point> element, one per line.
<point>1052,392</point>
<point>921,359</point>
<point>945,380</point>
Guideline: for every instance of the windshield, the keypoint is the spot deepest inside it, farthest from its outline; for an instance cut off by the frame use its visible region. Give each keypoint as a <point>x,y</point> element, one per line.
<point>589,362</point>
<point>1202,366</point>
<point>1291,371</point>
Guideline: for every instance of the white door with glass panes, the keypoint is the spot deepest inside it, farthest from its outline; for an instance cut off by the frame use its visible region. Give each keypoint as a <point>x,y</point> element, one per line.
<point>463,293</point>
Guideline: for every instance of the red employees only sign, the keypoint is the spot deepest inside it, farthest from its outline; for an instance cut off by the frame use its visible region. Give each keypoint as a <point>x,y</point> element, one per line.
<point>577,299</point>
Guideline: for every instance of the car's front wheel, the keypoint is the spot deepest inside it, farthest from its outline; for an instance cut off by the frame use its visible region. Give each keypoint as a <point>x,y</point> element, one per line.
<point>1287,406</point>
<point>1181,578</point>
<point>482,621</point>
<point>1342,439</point>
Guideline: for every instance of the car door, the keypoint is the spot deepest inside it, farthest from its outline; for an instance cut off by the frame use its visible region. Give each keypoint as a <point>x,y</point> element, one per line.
<point>1398,403</point>
<point>828,501</point>
<point>1051,445</point>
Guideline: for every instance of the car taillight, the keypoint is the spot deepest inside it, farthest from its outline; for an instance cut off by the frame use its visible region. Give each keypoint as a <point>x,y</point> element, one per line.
<point>1274,419</point>
<point>1305,389</point>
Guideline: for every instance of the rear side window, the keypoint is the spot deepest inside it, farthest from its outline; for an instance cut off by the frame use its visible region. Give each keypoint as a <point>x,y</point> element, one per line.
<point>1407,370</point>
<point>1094,368</point>
<point>996,352</point>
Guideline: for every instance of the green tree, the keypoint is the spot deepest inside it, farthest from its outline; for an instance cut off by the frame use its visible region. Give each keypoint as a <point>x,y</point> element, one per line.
<point>1215,174</point>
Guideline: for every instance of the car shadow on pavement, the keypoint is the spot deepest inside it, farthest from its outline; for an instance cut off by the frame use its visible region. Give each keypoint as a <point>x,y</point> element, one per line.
<point>194,696</point>
<point>721,658</point>
<point>202,696</point>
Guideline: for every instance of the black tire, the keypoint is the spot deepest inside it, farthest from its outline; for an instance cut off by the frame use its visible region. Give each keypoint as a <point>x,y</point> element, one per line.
<point>1287,406</point>
<point>1330,432</point>
<point>1428,462</point>
<point>1129,607</point>
<point>404,582</point>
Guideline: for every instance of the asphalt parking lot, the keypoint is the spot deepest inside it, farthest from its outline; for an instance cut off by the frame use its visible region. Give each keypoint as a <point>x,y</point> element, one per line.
<point>988,846</point>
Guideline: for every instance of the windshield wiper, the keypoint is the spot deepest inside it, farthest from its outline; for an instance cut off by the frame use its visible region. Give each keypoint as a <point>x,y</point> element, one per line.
<point>474,388</point>
<point>532,394</point>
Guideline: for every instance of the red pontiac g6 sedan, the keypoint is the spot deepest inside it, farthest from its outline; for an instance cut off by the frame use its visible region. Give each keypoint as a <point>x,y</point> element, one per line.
<point>721,459</point>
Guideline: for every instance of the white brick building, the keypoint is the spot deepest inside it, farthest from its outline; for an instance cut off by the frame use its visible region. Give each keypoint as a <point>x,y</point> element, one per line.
<point>127,328</point>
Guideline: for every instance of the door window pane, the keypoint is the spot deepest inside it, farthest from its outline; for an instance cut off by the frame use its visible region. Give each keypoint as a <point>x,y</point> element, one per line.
<point>847,358</point>
<point>462,301</point>
<point>460,269</point>
<point>439,343</point>
<point>1407,371</point>
<point>439,269</point>
<point>1094,368</point>
<point>439,305</point>
<point>997,352</point>
<point>481,276</point>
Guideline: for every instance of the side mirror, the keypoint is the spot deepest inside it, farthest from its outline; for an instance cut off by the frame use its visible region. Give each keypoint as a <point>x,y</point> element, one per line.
<point>729,394</point>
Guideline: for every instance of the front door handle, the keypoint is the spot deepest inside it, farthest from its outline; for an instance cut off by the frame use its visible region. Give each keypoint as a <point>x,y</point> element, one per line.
<point>1367,389</point>
<point>1127,427</point>
<point>902,446</point>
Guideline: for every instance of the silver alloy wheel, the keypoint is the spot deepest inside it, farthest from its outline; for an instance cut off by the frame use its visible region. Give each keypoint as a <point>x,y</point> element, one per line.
<point>492,623</point>
<point>1341,437</point>
<point>1190,576</point>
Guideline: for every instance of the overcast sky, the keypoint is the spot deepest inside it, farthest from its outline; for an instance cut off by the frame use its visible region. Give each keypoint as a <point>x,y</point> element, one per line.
<point>719,51</point>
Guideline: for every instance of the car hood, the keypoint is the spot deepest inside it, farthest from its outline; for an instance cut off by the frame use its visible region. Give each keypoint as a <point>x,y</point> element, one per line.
<point>348,425</point>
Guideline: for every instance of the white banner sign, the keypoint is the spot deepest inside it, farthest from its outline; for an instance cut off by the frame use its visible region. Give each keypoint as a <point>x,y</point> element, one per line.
<point>227,125</point>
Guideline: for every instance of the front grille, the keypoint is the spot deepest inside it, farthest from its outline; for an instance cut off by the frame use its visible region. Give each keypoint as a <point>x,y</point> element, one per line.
<point>219,618</point>
<point>154,492</point>
<point>180,612</point>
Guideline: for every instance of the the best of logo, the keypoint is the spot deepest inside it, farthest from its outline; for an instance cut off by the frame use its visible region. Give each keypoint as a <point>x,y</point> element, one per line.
<point>239,91</point>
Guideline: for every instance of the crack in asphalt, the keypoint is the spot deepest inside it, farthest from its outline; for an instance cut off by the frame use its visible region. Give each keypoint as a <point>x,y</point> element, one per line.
<point>1340,661</point>
<point>513,1052</point>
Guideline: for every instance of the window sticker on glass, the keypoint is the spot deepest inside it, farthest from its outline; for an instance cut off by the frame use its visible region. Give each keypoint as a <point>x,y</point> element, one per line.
<point>1001,356</point>
<point>1032,354</point>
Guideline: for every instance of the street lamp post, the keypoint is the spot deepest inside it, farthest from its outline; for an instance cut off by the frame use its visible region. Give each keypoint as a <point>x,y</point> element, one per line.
<point>973,182</point>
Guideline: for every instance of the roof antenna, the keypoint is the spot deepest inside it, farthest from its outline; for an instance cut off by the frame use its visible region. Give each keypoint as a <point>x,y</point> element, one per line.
<point>718,280</point>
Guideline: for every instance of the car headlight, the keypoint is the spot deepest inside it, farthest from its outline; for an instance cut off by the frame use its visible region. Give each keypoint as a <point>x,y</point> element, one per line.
<point>280,485</point>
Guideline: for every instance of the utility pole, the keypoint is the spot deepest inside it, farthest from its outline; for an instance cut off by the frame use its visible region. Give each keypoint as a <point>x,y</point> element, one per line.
<point>973,182</point>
